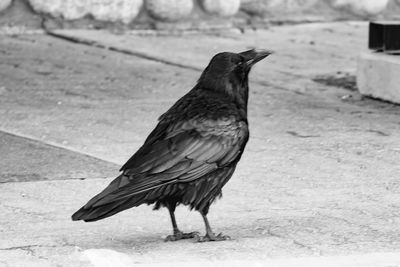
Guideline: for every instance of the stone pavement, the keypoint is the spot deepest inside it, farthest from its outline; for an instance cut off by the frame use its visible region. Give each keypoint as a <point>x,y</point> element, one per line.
<point>317,186</point>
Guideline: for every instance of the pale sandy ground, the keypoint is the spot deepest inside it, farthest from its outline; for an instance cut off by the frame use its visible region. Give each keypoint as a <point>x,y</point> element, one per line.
<point>317,186</point>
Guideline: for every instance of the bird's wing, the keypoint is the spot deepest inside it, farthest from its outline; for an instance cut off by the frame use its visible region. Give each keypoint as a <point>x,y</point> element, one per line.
<point>180,152</point>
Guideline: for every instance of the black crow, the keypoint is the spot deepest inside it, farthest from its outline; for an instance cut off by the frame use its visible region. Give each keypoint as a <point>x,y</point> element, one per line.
<point>192,152</point>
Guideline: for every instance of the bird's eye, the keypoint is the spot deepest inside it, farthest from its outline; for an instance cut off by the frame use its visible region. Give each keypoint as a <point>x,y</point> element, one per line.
<point>238,61</point>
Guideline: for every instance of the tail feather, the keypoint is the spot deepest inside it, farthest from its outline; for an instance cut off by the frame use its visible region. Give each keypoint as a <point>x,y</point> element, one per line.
<point>108,202</point>
<point>91,214</point>
<point>92,211</point>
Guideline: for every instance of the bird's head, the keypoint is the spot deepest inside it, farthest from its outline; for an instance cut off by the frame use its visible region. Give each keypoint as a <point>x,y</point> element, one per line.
<point>229,72</point>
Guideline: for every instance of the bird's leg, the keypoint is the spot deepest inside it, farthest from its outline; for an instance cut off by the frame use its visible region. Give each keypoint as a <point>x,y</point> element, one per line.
<point>210,236</point>
<point>177,234</point>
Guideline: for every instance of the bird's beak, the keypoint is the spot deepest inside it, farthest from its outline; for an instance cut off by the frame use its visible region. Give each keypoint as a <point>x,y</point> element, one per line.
<point>255,55</point>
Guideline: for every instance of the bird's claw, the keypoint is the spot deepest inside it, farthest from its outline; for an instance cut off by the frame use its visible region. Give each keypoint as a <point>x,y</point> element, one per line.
<point>212,237</point>
<point>180,235</point>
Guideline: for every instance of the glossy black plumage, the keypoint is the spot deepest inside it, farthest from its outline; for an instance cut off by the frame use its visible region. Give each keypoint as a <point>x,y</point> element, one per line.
<point>194,149</point>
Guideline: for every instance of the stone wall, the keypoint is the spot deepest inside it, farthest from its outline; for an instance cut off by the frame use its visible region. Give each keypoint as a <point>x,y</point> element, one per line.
<point>190,13</point>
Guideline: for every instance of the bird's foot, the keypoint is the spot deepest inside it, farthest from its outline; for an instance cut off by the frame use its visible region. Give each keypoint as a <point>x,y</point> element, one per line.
<point>212,237</point>
<point>178,235</point>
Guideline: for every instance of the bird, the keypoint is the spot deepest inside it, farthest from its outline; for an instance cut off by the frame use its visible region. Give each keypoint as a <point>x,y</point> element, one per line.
<point>191,153</point>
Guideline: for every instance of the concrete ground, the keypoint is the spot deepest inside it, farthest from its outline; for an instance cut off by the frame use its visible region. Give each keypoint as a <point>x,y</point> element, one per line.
<point>317,186</point>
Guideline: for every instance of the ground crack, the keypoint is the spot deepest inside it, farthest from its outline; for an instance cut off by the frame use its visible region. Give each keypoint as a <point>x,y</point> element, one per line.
<point>297,243</point>
<point>120,50</point>
<point>27,248</point>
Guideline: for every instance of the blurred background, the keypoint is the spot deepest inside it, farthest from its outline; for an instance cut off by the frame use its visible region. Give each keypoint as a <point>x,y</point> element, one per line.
<point>184,14</point>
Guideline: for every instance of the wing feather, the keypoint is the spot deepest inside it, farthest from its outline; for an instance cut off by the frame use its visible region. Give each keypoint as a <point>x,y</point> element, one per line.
<point>187,153</point>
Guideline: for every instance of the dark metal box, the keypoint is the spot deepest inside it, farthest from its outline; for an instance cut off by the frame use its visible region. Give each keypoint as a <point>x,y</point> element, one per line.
<point>384,36</point>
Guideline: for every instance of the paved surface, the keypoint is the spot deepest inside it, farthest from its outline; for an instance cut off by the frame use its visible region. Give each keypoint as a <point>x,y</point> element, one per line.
<point>29,160</point>
<point>319,177</point>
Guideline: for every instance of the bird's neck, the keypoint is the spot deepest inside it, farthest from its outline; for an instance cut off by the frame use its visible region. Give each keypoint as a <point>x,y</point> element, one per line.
<point>237,92</point>
<point>243,95</point>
